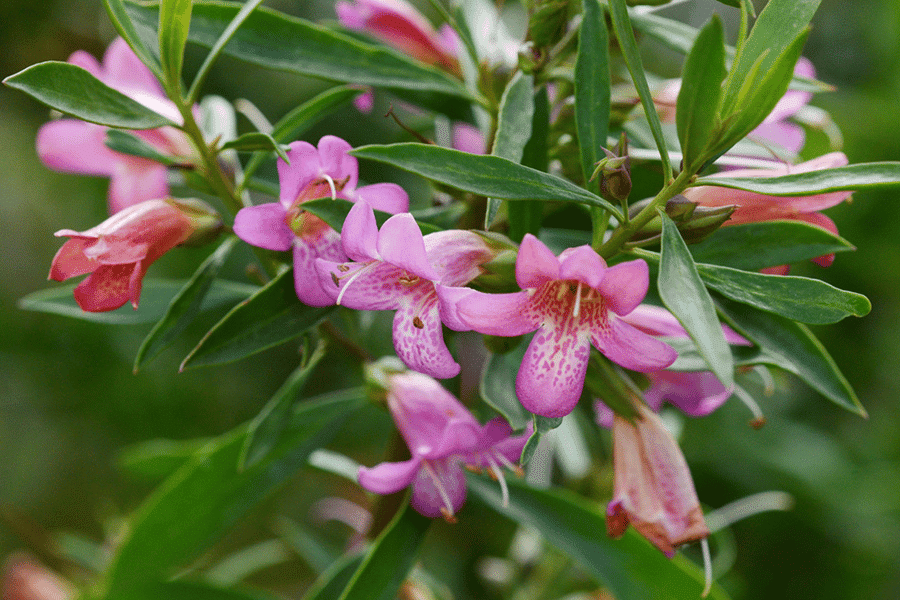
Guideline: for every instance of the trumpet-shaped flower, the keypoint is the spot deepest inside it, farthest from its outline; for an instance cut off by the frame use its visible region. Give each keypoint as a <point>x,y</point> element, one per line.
<point>74,146</point>
<point>397,269</point>
<point>312,173</point>
<point>653,489</point>
<point>118,251</point>
<point>442,437</point>
<point>572,301</point>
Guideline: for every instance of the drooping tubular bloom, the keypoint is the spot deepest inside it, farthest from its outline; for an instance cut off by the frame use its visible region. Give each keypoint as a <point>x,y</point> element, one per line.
<point>118,251</point>
<point>74,146</point>
<point>442,436</point>
<point>314,172</point>
<point>571,302</point>
<point>653,489</point>
<point>754,207</point>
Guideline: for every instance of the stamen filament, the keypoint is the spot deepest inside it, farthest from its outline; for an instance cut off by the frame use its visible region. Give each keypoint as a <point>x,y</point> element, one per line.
<point>759,419</point>
<point>353,278</point>
<point>707,568</point>
<point>331,185</point>
<point>447,509</point>
<point>498,473</point>
<point>507,463</point>
<point>577,301</point>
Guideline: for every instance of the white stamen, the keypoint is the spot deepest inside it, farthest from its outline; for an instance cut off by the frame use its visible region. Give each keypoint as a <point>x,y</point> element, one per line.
<point>577,301</point>
<point>748,400</point>
<point>747,507</point>
<point>767,380</point>
<point>505,461</point>
<point>498,473</point>
<point>331,185</point>
<point>445,497</point>
<point>707,568</point>
<point>353,278</point>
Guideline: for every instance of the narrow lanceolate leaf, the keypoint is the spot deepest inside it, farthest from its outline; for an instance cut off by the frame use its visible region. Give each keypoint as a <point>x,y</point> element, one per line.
<point>754,246</point>
<point>792,347</point>
<point>683,293</point>
<point>498,386</point>
<point>128,143</point>
<point>622,25</point>
<point>331,583</point>
<point>192,590</point>
<point>513,128</point>
<point>526,217</point>
<point>796,298</point>
<point>174,23</point>
<point>268,426</point>
<point>389,559</point>
<point>277,41</point>
<point>73,91</point>
<point>185,306</point>
<point>863,176</point>
<point>701,88</point>
<point>490,176</point>
<point>592,87</point>
<point>205,498</point>
<point>271,316</point>
<point>156,295</point>
<point>256,140</point>
<point>629,567</point>
<point>142,38</point>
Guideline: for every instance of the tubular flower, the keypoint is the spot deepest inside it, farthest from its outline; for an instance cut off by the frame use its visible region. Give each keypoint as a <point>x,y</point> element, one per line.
<point>326,171</point>
<point>118,251</point>
<point>74,146</point>
<point>442,437</point>
<point>397,269</point>
<point>398,24</point>
<point>571,301</point>
<point>754,207</point>
<point>653,489</point>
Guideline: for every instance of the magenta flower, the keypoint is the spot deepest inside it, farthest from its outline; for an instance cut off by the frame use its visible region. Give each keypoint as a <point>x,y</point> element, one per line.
<point>74,146</point>
<point>401,26</point>
<point>118,251</point>
<point>397,269</point>
<point>442,436</point>
<point>326,171</point>
<point>754,207</point>
<point>571,301</point>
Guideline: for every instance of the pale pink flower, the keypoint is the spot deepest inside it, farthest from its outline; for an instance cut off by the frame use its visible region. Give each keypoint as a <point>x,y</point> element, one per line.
<point>74,146</point>
<point>26,579</point>
<point>118,251</point>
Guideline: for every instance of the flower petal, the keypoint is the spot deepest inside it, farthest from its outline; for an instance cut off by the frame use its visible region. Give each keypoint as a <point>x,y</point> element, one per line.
<point>362,286</point>
<point>303,169</point>
<point>694,393</point>
<point>448,299</point>
<point>124,71</point>
<point>427,497</point>
<point>389,477</point>
<point>535,263</point>
<point>386,197</point>
<point>359,235</point>
<point>74,146</point>
<point>551,377</point>
<point>307,282</point>
<point>336,162</point>
<point>400,243</point>
<point>135,180</point>
<point>630,347</point>
<point>418,337</point>
<point>263,226</point>
<point>582,264</point>
<point>70,260</point>
<point>497,314</point>
<point>105,289</point>
<point>625,285</point>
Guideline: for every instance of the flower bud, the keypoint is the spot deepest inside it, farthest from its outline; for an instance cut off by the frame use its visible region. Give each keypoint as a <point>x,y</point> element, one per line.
<point>614,172</point>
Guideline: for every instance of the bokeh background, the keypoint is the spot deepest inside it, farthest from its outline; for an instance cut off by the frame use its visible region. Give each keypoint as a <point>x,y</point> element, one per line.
<point>69,402</point>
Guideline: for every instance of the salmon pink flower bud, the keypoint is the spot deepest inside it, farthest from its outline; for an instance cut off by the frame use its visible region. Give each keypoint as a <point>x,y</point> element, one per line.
<point>118,251</point>
<point>572,301</point>
<point>653,489</point>
<point>314,172</point>
<point>26,579</point>
<point>74,146</point>
<point>442,437</point>
<point>400,25</point>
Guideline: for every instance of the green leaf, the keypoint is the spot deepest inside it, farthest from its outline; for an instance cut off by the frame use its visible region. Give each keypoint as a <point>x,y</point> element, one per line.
<point>277,41</point>
<point>185,306</point>
<point>267,428</point>
<point>333,581</point>
<point>683,293</point>
<point>174,23</point>
<point>797,298</point>
<point>630,567</point>
<point>792,347</point>
<point>156,295</point>
<point>389,559</point>
<point>526,217</point>
<point>592,87</point>
<point>622,25</point>
<point>256,140</point>
<point>513,128</point>
<point>754,246</point>
<point>484,175</point>
<point>142,39</point>
<point>156,459</point>
<point>863,176</point>
<point>73,91</point>
<point>190,590</point>
<point>207,496</point>
<point>128,143</point>
<point>335,211</point>
<point>701,89</point>
<point>498,386</point>
<point>271,316</point>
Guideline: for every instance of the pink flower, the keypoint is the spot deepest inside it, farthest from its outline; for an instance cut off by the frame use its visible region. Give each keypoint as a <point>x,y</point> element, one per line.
<point>754,207</point>
<point>118,251</point>
<point>74,146</point>
<point>397,269</point>
<point>26,579</point>
<point>653,489</point>
<point>398,24</point>
<point>572,301</point>
<point>326,171</point>
<point>468,138</point>
<point>442,436</point>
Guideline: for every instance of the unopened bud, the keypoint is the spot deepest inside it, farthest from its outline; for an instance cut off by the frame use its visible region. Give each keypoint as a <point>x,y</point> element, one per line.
<point>614,173</point>
<point>547,24</point>
<point>529,58</point>
<point>704,221</point>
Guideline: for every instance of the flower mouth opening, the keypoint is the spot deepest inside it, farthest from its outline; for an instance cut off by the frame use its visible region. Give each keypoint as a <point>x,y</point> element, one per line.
<point>353,277</point>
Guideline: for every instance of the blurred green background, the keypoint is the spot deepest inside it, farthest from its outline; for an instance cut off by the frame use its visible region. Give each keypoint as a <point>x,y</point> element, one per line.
<point>69,401</point>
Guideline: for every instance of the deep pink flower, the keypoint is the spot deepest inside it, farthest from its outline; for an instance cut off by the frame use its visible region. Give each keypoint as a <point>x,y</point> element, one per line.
<point>653,489</point>
<point>572,301</point>
<point>442,436</point>
<point>400,25</point>
<point>326,171</point>
<point>118,251</point>
<point>758,207</point>
<point>397,269</point>
<point>74,146</point>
